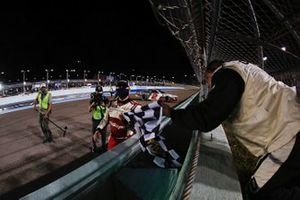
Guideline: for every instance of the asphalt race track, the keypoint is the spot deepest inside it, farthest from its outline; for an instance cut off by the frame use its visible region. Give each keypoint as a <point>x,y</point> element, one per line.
<point>27,164</point>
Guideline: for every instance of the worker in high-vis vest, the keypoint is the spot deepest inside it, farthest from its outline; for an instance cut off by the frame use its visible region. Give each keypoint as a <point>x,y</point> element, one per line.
<point>44,101</point>
<point>98,108</point>
<point>262,113</point>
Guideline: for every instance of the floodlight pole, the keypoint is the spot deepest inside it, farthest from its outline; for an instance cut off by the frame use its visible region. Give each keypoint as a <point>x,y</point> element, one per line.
<point>47,76</point>
<point>67,78</point>
<point>24,79</point>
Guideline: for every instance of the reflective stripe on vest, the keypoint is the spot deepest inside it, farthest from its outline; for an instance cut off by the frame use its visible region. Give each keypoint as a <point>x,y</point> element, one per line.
<point>98,112</point>
<point>43,103</point>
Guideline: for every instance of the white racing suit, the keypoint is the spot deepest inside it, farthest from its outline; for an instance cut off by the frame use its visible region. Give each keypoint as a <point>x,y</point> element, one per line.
<point>115,124</point>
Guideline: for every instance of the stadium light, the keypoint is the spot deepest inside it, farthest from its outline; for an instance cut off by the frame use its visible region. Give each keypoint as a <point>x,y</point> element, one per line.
<point>131,77</point>
<point>283,48</point>
<point>137,76</point>
<point>265,58</point>
<point>98,76</point>
<point>47,75</point>
<point>24,78</point>
<point>2,88</point>
<point>67,78</point>
<point>84,74</point>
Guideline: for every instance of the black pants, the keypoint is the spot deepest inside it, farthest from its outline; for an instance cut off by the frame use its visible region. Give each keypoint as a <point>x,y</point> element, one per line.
<point>285,183</point>
<point>95,123</point>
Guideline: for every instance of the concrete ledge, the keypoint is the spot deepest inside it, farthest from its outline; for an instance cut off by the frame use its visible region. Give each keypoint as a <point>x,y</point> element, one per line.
<point>216,176</point>
<point>93,172</point>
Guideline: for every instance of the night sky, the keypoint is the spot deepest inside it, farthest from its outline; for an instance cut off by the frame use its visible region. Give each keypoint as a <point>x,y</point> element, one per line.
<point>109,36</point>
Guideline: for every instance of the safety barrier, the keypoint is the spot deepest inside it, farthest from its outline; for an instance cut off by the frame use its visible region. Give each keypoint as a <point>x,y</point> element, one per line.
<point>23,102</point>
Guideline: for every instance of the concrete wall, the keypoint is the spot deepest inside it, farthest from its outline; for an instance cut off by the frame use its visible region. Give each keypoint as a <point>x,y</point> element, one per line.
<point>216,176</point>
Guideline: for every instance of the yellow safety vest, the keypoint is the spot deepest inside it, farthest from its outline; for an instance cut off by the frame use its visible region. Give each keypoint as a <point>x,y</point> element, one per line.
<point>43,103</point>
<point>98,112</point>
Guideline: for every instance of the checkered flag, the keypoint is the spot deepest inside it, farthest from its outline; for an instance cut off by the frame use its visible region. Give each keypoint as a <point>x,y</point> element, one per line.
<point>146,121</point>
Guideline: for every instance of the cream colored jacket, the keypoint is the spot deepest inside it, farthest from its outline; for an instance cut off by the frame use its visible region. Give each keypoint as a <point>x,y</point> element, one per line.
<point>268,115</point>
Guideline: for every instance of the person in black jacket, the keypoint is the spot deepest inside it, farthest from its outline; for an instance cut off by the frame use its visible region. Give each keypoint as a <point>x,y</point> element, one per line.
<point>211,112</point>
<point>264,116</point>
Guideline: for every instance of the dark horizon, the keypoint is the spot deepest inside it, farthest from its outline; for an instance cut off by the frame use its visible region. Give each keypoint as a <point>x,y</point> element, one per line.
<point>105,36</point>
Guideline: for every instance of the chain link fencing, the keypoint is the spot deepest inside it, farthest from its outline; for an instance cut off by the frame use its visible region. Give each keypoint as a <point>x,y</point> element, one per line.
<point>263,32</point>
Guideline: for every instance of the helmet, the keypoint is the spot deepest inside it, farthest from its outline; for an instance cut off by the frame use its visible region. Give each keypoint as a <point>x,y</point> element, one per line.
<point>43,88</point>
<point>122,84</point>
<point>122,89</point>
<point>98,88</point>
<point>43,85</point>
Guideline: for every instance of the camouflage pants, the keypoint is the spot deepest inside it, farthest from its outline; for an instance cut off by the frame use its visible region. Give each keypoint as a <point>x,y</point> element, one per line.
<point>45,127</point>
